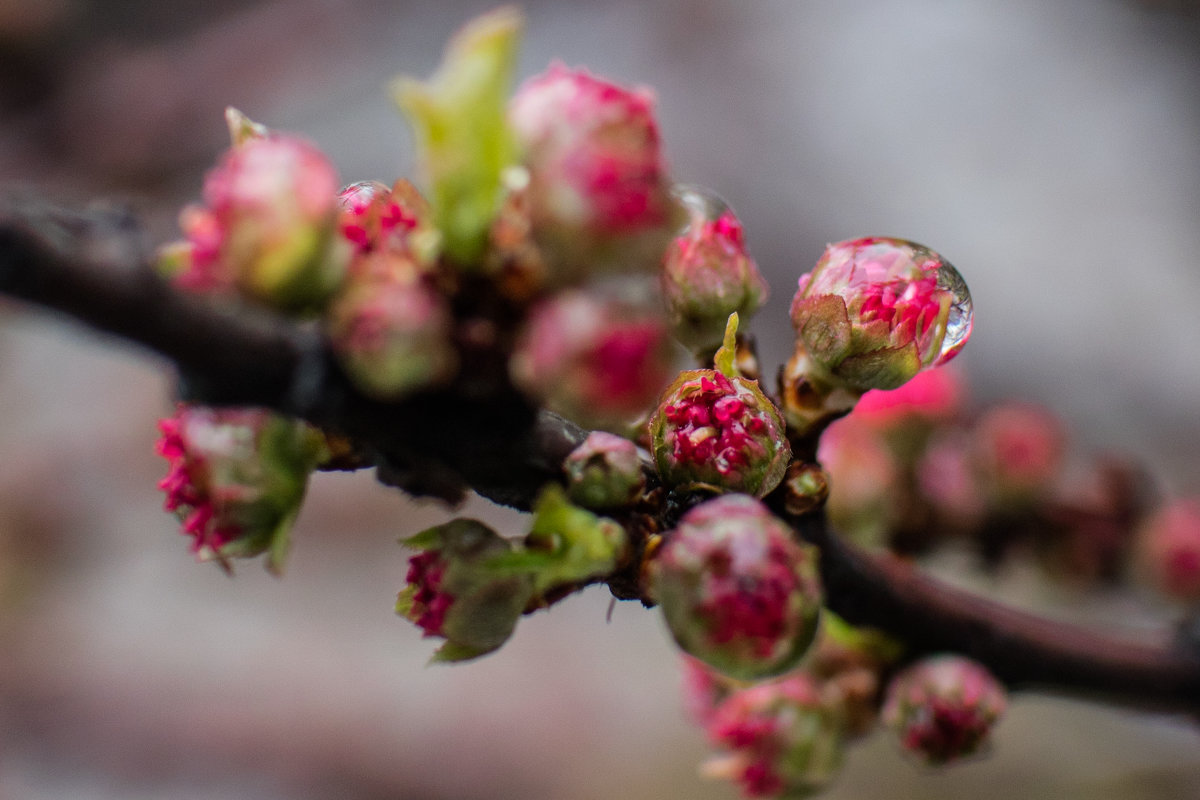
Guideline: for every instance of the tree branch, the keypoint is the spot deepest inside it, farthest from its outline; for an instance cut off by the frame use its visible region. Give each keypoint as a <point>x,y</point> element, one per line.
<point>94,267</point>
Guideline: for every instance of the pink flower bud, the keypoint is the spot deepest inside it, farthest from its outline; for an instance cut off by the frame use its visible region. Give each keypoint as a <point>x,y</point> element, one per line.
<point>707,273</point>
<point>237,479</point>
<point>863,480</point>
<point>595,167</point>
<point>454,592</point>
<point>1169,549</point>
<point>268,227</point>
<point>392,334</point>
<point>943,707</point>
<point>374,218</point>
<point>782,738</point>
<point>598,362</point>
<point>935,394</point>
<point>721,432</point>
<point>604,472</point>
<point>1019,451</point>
<point>875,311</point>
<point>737,589</point>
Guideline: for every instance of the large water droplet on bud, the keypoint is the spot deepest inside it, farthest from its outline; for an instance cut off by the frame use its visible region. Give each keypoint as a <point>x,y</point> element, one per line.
<point>701,204</point>
<point>962,312</point>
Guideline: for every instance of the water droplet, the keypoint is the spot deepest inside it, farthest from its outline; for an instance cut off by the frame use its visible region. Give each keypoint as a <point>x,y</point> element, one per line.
<point>962,312</point>
<point>702,205</point>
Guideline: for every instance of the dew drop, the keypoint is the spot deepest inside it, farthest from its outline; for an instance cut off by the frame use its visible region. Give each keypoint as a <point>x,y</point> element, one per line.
<point>962,312</point>
<point>701,205</point>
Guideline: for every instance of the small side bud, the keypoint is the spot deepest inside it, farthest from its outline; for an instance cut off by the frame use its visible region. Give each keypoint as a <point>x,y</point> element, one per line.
<point>737,590</point>
<point>455,593</point>
<point>944,707</point>
<point>604,472</point>
<point>237,479</point>
<point>807,488</point>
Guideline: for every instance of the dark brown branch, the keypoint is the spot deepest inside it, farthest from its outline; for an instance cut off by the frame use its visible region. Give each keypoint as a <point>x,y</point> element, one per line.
<point>94,268</point>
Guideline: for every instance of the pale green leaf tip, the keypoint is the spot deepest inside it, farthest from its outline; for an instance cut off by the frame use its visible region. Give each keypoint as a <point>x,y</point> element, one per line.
<point>726,356</point>
<point>243,129</point>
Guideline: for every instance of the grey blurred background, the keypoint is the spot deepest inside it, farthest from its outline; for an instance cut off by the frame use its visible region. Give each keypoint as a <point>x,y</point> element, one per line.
<point>1051,151</point>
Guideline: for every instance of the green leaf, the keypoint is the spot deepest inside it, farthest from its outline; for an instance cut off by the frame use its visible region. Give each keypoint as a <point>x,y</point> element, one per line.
<point>459,119</point>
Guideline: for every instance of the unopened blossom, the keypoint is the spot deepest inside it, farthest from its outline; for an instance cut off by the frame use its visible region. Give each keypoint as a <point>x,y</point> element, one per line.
<point>604,472</point>
<point>237,478</point>
<point>392,335</point>
<point>1019,449</point>
<point>781,738</point>
<point>597,361</point>
<point>707,272</point>
<point>454,592</point>
<point>718,431</point>
<point>268,226</point>
<point>864,478</point>
<point>737,590</point>
<point>943,707</point>
<point>933,395</point>
<point>1169,549</point>
<point>598,183</point>
<point>374,217</point>
<point>874,312</point>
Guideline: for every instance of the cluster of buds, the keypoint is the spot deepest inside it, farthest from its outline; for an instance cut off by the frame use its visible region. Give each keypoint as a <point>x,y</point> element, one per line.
<point>455,590</point>
<point>871,314</point>
<point>237,478</point>
<point>943,708</point>
<point>737,590</point>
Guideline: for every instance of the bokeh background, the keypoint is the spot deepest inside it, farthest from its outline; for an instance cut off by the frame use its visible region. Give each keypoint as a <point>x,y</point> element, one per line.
<point>1051,151</point>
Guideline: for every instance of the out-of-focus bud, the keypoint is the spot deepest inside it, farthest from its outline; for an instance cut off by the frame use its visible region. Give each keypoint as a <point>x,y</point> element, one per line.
<point>1019,451</point>
<point>237,478</point>
<point>392,336</point>
<point>375,219</point>
<point>599,362</point>
<point>875,311</point>
<point>268,230</point>
<point>455,592</point>
<point>864,478</point>
<point>707,273</point>
<point>933,395</point>
<point>597,178</point>
<point>943,707</point>
<point>806,487</point>
<point>1168,548</point>
<point>737,590</point>
<point>782,739</point>
<point>604,472</point>
<point>703,689</point>
<point>463,139</point>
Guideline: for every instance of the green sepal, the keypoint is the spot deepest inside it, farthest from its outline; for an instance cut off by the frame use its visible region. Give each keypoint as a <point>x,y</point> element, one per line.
<point>824,327</point>
<point>725,361</point>
<point>886,368</point>
<point>243,129</point>
<point>459,120</point>
<point>451,652</point>
<point>876,644</point>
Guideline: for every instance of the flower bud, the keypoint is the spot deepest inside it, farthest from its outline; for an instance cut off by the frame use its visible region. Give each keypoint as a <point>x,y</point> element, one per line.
<point>943,707</point>
<point>237,479</point>
<point>707,273</point>
<point>604,472</point>
<point>597,178</point>
<point>1169,549</point>
<point>710,430</point>
<point>738,591</point>
<point>268,229</point>
<point>598,362</point>
<point>875,311</point>
<point>455,592</point>
<point>392,336</point>
<point>783,739</point>
<point>373,217</point>
<point>1019,451</point>
<point>933,395</point>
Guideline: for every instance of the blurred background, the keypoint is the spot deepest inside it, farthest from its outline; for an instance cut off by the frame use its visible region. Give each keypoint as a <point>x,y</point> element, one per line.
<point>1050,151</point>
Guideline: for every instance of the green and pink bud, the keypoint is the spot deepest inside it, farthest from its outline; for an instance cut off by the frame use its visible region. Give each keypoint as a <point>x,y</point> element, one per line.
<point>393,336</point>
<point>237,478</point>
<point>268,229</point>
<point>597,178</point>
<point>1169,550</point>
<point>737,590</point>
<point>944,707</point>
<point>718,432</point>
<point>454,592</point>
<point>781,739</point>
<point>604,472</point>
<point>597,361</point>
<point>707,272</point>
<point>374,218</point>
<point>1019,450</point>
